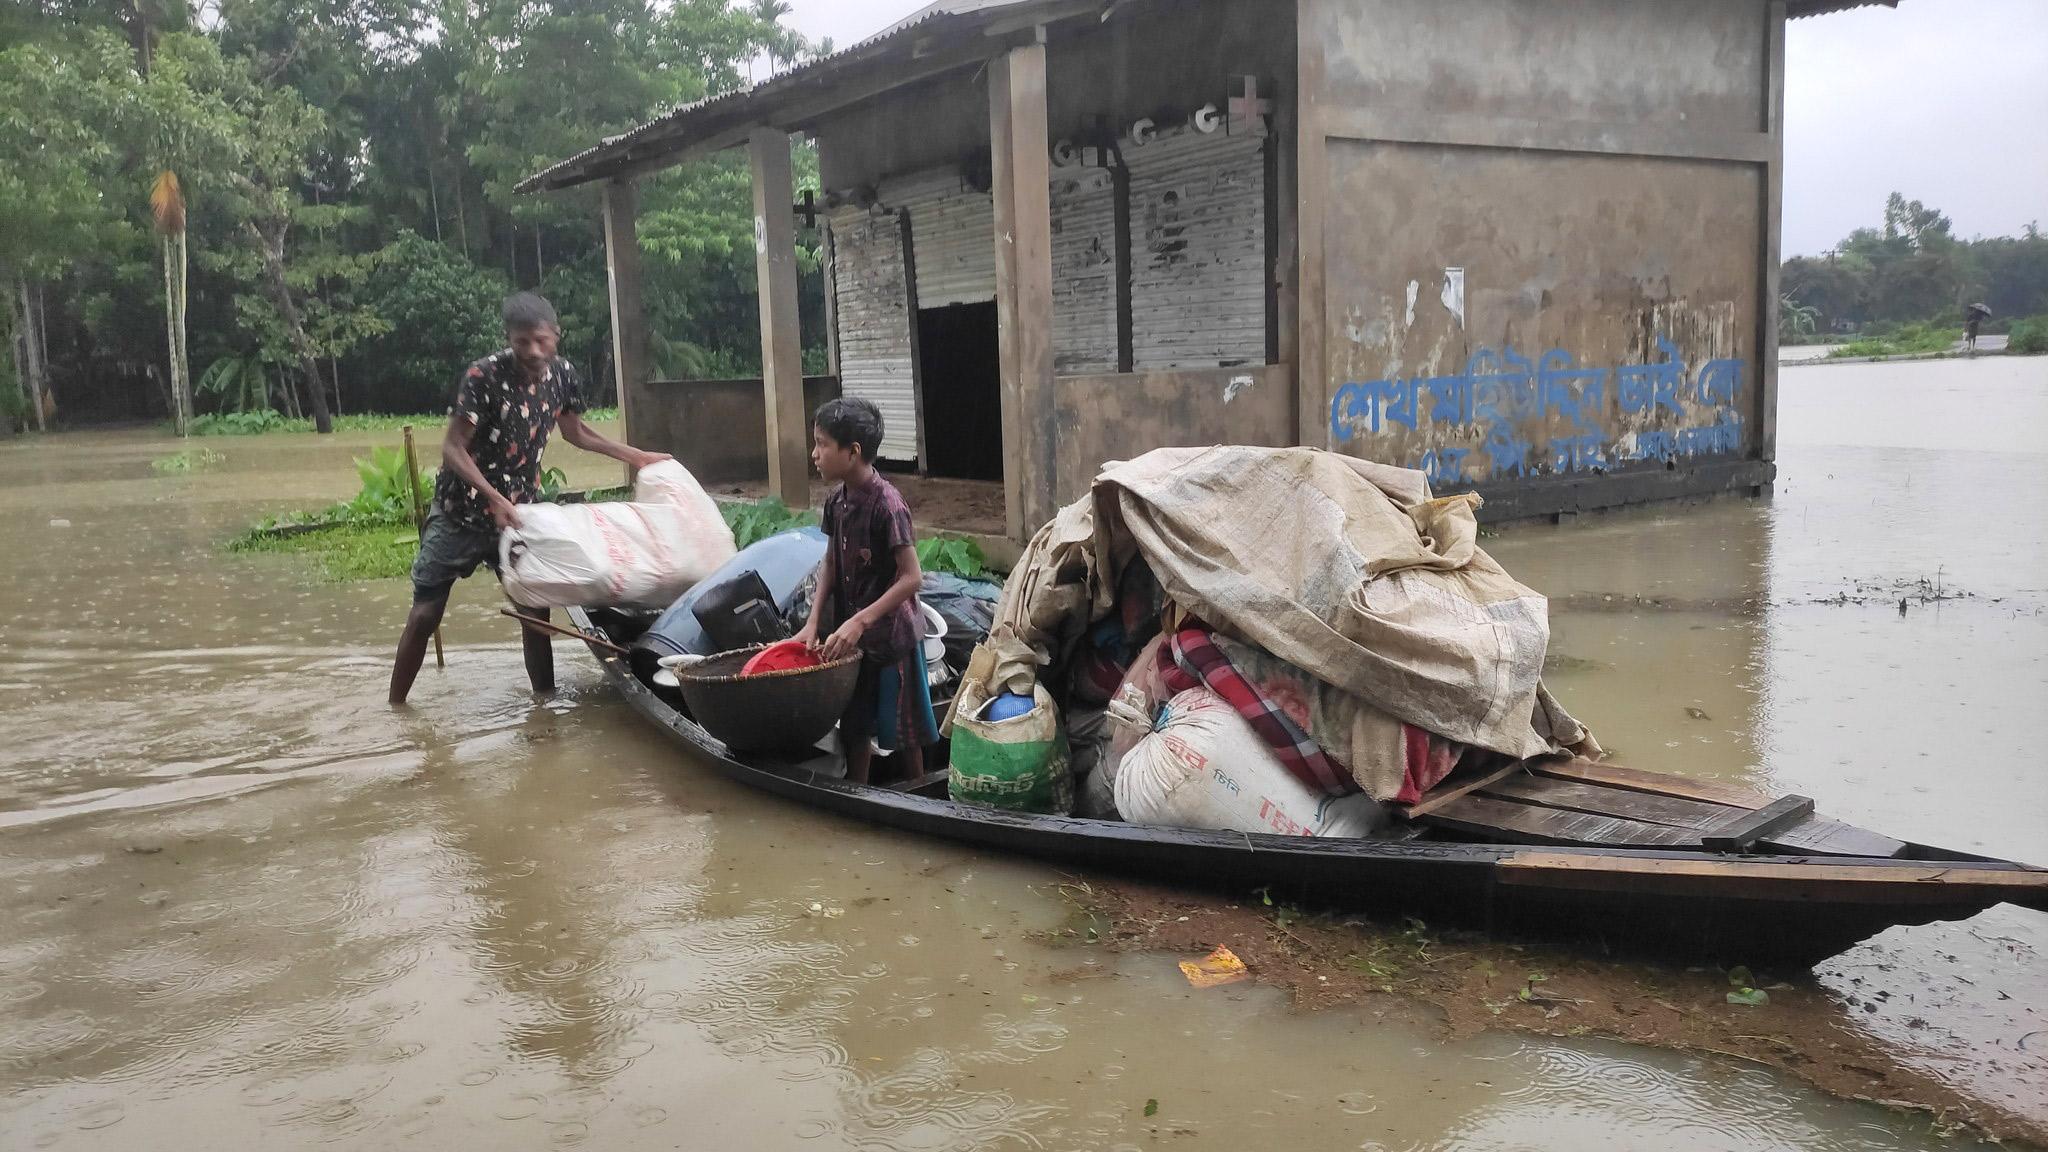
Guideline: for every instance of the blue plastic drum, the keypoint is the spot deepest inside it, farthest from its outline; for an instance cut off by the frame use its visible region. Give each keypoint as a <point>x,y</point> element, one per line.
<point>784,562</point>
<point>1008,706</point>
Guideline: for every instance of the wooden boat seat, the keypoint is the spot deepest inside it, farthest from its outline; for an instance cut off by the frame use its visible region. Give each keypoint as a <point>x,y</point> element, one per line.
<point>1605,805</point>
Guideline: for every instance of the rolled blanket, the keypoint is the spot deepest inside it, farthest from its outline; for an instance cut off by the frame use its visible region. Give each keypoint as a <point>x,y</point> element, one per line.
<point>1197,660</point>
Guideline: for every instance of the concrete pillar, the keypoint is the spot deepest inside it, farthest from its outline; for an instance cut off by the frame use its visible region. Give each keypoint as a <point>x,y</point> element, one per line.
<point>1020,152</point>
<point>630,361</point>
<point>1766,412</point>
<point>782,368</point>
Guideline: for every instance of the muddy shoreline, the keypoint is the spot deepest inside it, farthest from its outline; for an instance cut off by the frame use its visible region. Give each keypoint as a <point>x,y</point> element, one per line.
<point>1464,983</point>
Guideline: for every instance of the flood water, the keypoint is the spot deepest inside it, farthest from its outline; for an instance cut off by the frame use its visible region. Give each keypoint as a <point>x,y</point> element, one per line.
<point>247,904</point>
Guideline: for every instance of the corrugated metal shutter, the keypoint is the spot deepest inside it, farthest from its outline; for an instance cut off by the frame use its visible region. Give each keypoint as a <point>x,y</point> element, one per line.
<point>1083,270</point>
<point>952,236</point>
<point>1198,250</point>
<point>873,312</point>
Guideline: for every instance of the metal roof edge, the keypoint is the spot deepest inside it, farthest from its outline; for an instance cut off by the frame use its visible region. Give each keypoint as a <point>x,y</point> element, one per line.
<point>1799,9</point>
<point>935,21</point>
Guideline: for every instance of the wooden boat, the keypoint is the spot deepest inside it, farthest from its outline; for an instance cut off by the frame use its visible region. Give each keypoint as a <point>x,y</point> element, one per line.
<point>1633,861</point>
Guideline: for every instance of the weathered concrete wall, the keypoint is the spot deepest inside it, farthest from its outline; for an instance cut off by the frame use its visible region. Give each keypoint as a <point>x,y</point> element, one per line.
<point>1537,243</point>
<point>1695,63</point>
<point>1606,319</point>
<point>1119,416</point>
<point>717,428</point>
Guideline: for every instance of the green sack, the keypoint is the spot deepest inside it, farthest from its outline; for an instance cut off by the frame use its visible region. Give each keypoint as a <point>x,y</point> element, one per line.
<point>1019,764</point>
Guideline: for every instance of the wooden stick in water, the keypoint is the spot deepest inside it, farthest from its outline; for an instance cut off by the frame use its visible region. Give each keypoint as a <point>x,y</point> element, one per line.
<point>557,629</point>
<point>419,521</point>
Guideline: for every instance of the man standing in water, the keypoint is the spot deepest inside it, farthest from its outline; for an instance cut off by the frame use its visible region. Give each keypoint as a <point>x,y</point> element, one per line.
<point>505,406</point>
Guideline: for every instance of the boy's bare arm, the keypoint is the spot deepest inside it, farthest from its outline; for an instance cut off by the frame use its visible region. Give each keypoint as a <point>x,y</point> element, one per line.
<point>823,585</point>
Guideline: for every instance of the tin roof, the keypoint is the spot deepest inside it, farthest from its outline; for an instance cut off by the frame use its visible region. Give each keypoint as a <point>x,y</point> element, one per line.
<point>939,37</point>
<point>945,35</point>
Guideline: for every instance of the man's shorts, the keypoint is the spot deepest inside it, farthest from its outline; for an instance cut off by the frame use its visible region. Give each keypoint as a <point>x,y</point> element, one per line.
<point>448,552</point>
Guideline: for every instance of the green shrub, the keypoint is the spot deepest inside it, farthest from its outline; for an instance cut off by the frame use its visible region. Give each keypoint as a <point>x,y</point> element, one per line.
<point>552,481</point>
<point>755,522</point>
<point>236,384</point>
<point>13,408</point>
<point>384,498</point>
<point>1895,340</point>
<point>253,423</point>
<point>952,554</point>
<point>2029,336</point>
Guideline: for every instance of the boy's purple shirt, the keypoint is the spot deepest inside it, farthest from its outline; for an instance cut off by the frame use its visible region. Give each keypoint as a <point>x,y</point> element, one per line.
<point>866,523</point>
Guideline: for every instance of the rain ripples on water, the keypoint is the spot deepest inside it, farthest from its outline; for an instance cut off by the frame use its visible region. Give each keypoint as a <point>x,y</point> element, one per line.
<point>248,905</point>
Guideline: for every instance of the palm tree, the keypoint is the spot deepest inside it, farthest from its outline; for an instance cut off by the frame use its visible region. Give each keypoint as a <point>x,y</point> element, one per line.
<point>167,205</point>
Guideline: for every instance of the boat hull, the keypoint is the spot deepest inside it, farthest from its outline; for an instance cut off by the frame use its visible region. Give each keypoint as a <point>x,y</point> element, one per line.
<point>1773,909</point>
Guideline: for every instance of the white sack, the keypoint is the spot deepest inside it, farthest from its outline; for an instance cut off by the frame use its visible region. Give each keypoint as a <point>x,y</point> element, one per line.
<point>1129,717</point>
<point>639,554</point>
<point>1202,766</point>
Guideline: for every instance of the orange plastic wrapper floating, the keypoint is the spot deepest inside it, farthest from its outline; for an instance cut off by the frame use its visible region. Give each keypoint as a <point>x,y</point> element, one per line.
<point>1219,967</point>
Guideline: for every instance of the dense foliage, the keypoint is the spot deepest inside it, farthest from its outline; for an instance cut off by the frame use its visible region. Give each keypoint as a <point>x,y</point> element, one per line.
<point>318,195</point>
<point>2029,336</point>
<point>1912,269</point>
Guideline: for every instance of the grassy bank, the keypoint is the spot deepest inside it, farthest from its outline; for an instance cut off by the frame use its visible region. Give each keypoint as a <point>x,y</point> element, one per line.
<point>1911,340</point>
<point>263,422</point>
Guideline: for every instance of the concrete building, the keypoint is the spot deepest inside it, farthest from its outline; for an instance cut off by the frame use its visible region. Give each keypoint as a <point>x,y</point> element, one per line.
<point>1529,246</point>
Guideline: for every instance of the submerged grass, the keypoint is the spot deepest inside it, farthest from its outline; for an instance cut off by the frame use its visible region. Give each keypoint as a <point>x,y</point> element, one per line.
<point>340,552</point>
<point>190,460</point>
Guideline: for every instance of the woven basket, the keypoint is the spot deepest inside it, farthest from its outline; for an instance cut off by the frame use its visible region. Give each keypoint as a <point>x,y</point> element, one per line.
<point>773,712</point>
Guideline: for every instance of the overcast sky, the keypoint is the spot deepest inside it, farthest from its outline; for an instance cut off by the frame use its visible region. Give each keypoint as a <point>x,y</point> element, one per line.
<point>1944,100</point>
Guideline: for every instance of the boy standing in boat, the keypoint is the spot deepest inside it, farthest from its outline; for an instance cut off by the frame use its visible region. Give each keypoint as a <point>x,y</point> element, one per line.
<point>869,580</point>
<point>505,406</point>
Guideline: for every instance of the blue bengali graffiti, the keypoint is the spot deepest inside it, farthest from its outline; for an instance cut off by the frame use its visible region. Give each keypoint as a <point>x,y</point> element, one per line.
<point>1501,390</point>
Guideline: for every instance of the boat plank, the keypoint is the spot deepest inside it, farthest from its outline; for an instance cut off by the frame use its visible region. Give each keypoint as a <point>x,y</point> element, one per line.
<point>1437,799</point>
<point>1740,833</point>
<point>1820,836</point>
<point>1648,807</point>
<point>1866,882</point>
<point>1661,783</point>
<point>1508,820</point>
<point>929,784</point>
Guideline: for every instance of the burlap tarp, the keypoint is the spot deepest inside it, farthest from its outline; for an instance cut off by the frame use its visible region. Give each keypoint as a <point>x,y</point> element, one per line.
<point>1347,569</point>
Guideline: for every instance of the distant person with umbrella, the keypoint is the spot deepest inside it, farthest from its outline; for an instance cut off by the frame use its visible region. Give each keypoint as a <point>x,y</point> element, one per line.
<point>1973,317</point>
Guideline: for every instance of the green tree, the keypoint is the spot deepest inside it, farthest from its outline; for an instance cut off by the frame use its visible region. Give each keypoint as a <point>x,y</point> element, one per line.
<point>57,158</point>
<point>441,312</point>
<point>1911,268</point>
<point>320,145</point>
